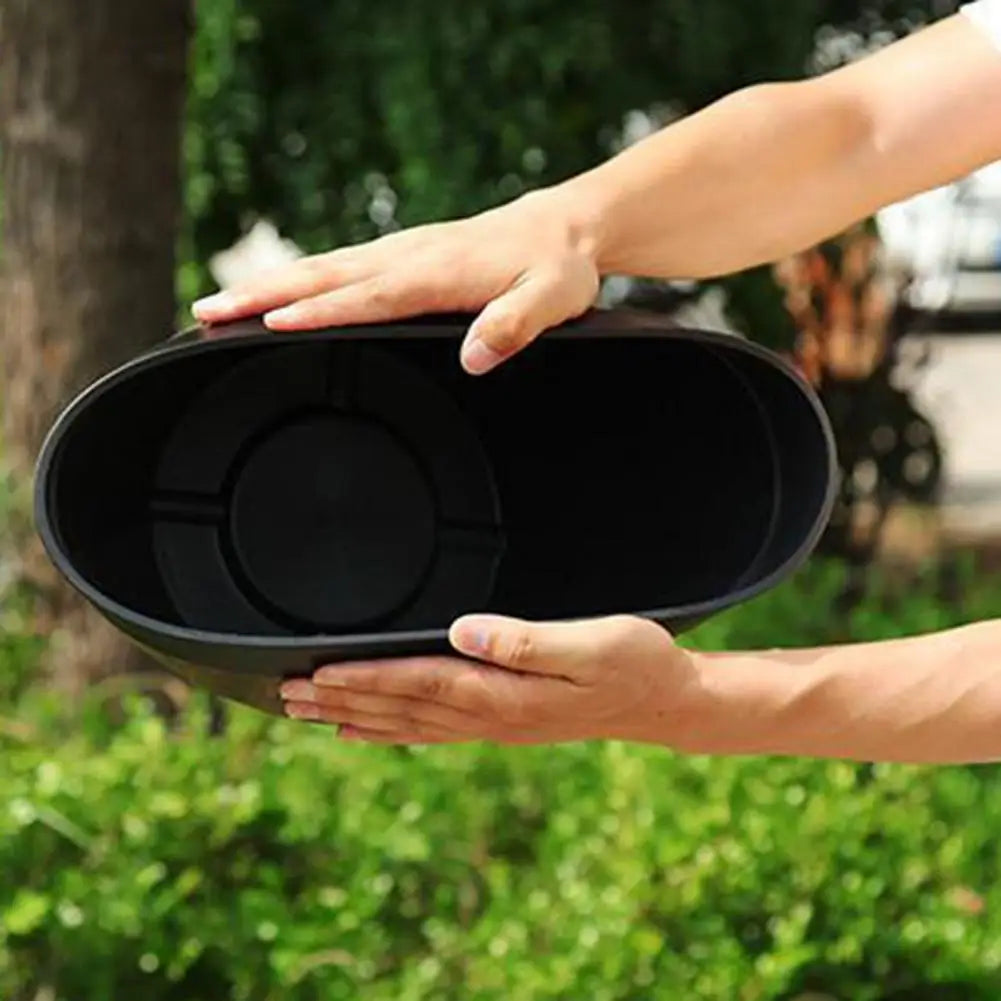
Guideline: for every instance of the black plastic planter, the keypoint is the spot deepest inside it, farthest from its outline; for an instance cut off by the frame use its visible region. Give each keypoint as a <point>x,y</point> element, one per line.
<point>248,506</point>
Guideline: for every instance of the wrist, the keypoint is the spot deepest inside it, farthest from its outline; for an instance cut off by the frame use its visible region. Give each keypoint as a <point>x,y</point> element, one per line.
<point>736,704</point>
<point>578,210</point>
<point>611,206</point>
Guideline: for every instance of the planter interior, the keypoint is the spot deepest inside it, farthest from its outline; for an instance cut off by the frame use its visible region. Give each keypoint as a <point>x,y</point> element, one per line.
<point>349,492</point>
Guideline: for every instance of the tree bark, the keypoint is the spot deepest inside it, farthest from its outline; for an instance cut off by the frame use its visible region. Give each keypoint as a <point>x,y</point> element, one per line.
<point>91,107</point>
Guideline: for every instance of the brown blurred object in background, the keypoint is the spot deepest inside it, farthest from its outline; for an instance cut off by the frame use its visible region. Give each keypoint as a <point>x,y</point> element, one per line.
<point>91,104</point>
<point>851,316</point>
<point>842,304</point>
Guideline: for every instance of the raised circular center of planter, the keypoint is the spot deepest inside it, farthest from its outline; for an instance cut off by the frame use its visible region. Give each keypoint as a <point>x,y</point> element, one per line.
<point>332,521</point>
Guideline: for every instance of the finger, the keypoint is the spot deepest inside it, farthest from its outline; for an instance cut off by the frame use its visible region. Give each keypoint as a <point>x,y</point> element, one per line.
<point>374,300</point>
<point>442,681</point>
<point>399,737</point>
<point>538,301</point>
<point>407,712</point>
<point>567,650</point>
<point>493,700</point>
<point>302,279</point>
<point>316,713</point>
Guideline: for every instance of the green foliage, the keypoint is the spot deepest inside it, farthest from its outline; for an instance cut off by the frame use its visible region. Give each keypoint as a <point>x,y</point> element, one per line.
<point>456,106</point>
<point>19,651</point>
<point>277,863</point>
<point>811,610</point>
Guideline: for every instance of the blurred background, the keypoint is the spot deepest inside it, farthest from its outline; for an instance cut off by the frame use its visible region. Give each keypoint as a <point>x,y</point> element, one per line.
<point>151,841</point>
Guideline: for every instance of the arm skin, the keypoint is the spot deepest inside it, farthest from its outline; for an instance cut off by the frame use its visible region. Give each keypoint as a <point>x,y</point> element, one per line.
<point>776,168</point>
<point>932,699</point>
<point>761,174</point>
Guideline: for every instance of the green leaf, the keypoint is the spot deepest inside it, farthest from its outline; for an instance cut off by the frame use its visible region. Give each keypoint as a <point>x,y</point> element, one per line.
<point>26,913</point>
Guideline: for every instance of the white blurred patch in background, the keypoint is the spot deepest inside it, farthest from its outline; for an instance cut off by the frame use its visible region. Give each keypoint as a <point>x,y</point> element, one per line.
<point>261,249</point>
<point>949,239</point>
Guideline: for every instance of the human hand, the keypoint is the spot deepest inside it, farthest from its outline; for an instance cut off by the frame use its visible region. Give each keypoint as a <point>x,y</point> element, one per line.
<point>524,267</point>
<point>618,678</point>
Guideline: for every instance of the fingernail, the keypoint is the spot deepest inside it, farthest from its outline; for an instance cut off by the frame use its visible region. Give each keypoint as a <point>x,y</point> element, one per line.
<point>330,677</point>
<point>218,303</point>
<point>470,637</point>
<point>288,314</point>
<point>479,358</point>
<point>303,710</point>
<point>298,691</point>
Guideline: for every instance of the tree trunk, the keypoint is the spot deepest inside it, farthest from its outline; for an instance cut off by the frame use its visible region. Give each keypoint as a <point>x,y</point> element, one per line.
<point>91,106</point>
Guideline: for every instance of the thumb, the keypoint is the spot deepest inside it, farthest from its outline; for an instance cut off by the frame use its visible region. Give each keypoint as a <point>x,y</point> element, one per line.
<point>512,321</point>
<point>561,649</point>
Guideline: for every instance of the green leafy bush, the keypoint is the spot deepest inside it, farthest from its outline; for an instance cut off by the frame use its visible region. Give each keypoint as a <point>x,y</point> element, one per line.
<point>278,863</point>
<point>812,610</point>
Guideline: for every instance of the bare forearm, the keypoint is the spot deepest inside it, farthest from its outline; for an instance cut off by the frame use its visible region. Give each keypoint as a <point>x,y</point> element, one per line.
<point>929,699</point>
<point>775,168</point>
<point>711,194</point>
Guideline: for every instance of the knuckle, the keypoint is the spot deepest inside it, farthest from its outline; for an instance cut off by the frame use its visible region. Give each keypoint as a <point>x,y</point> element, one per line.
<point>381,683</point>
<point>432,685</point>
<point>327,696</point>
<point>473,694</point>
<point>371,682</point>
<point>621,627</point>
<point>506,332</point>
<point>355,703</point>
<point>433,296</point>
<point>491,699</point>
<point>382,295</point>
<point>428,296</point>
<point>406,718</point>
<point>618,637</point>
<point>390,295</point>
<point>518,650</point>
<point>629,635</point>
